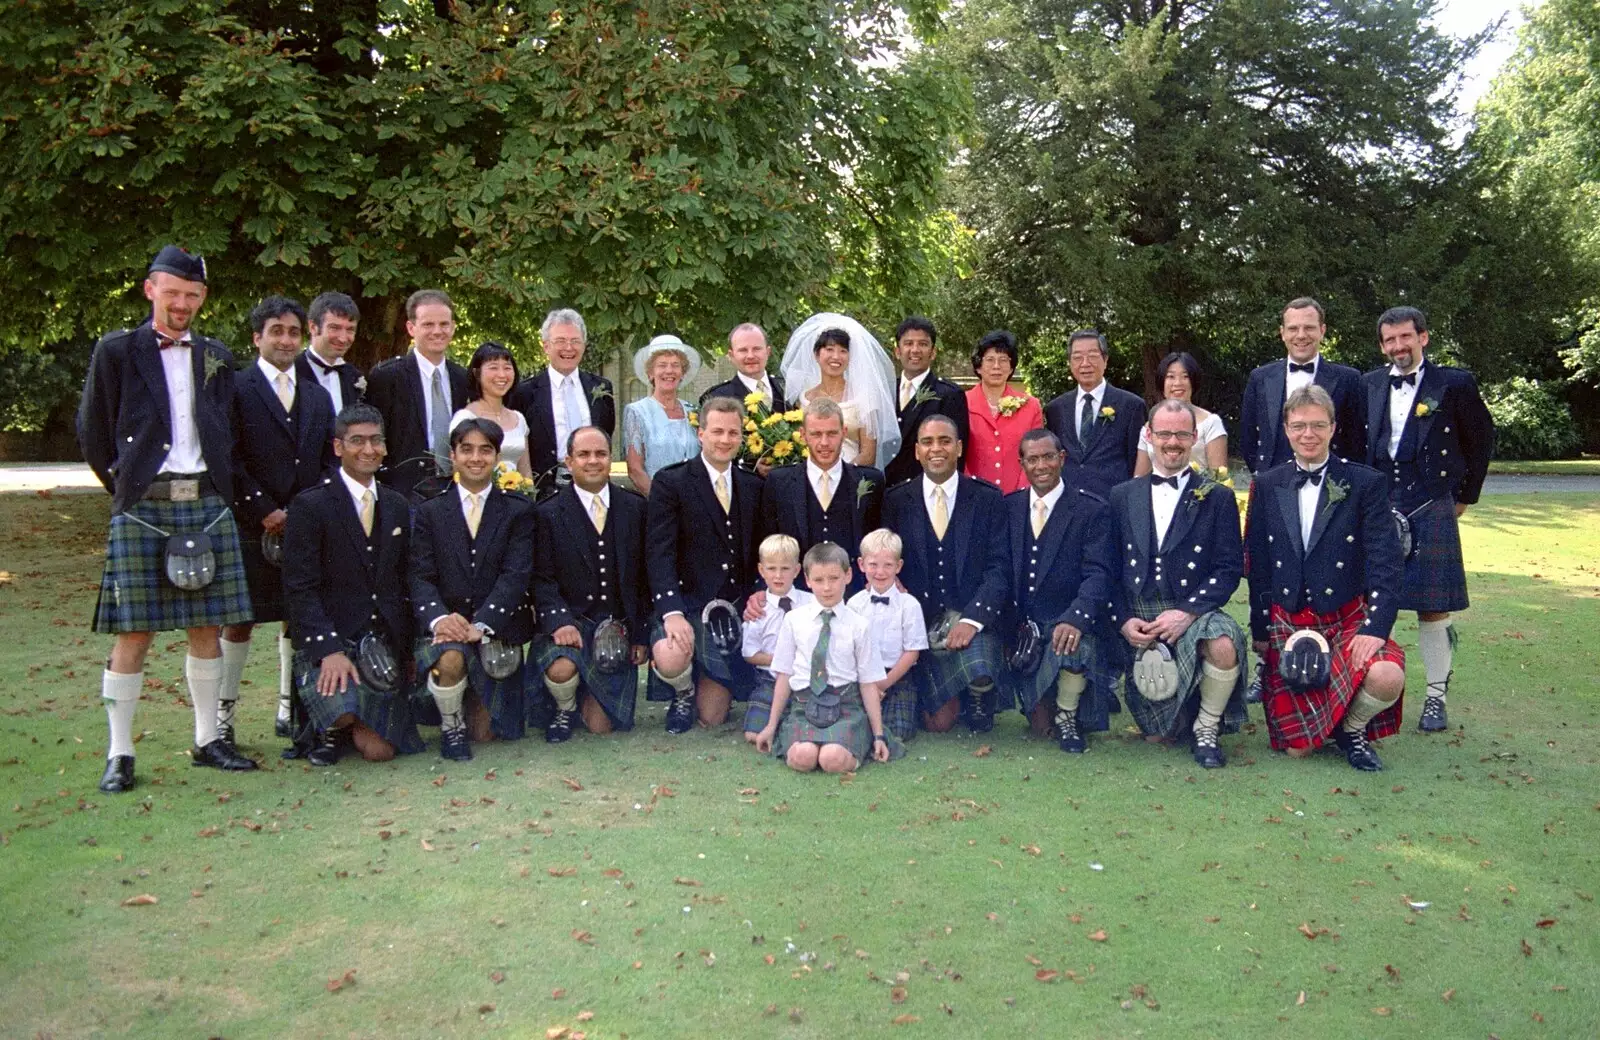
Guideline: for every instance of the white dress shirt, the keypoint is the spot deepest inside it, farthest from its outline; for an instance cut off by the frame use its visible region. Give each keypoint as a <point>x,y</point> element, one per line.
<point>357,489</point>
<point>916,382</point>
<point>427,368</point>
<point>329,380</point>
<point>761,635</point>
<point>587,498</point>
<point>836,474</point>
<point>272,375</point>
<point>896,626</point>
<point>565,423</point>
<point>1310,494</point>
<point>950,486</point>
<point>185,455</point>
<point>1400,405</point>
<point>762,385</point>
<point>1051,499</point>
<point>714,473</point>
<point>1098,395</point>
<point>852,658</point>
<point>1293,381</point>
<point>1164,503</point>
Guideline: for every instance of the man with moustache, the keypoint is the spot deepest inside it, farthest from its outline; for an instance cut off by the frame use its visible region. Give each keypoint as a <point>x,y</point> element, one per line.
<point>1098,424</point>
<point>418,392</point>
<point>947,524</point>
<point>703,532</point>
<point>1178,533</point>
<point>283,441</point>
<point>1261,439</point>
<point>589,566</point>
<point>155,425</point>
<point>334,318</point>
<point>1430,433</point>
<point>559,398</point>
<point>922,393</point>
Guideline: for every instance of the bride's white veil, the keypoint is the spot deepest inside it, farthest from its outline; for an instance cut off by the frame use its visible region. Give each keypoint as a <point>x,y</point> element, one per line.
<point>870,377</point>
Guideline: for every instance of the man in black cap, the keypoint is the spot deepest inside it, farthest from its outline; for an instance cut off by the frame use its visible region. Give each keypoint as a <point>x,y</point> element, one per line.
<point>155,425</point>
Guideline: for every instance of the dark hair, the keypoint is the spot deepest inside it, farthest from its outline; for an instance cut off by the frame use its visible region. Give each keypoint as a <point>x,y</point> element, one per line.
<point>488,427</point>
<point>1094,334</point>
<point>489,351</point>
<point>1000,340</point>
<point>917,323</point>
<point>356,415</point>
<point>423,297</point>
<point>573,436</point>
<point>333,303</point>
<point>1300,303</point>
<point>1181,359</point>
<point>1401,315</point>
<point>838,337</point>
<point>939,417</point>
<point>1039,434</point>
<point>275,307</point>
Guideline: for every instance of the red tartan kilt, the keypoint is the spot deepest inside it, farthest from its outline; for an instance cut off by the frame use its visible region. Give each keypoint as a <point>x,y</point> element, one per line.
<point>1305,720</point>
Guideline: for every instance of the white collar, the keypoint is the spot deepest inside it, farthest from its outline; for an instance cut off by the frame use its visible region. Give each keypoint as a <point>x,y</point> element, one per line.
<point>754,384</point>
<point>355,488</point>
<point>1394,371</point>
<point>272,373</point>
<point>835,471</point>
<point>892,592</point>
<point>1049,498</point>
<point>588,497</point>
<point>335,363</point>
<point>1097,393</point>
<point>917,380</point>
<point>428,367</point>
<point>1182,475</point>
<point>793,594</point>
<point>949,486</point>
<point>1323,465</point>
<point>483,496</point>
<point>556,378</point>
<point>705,460</point>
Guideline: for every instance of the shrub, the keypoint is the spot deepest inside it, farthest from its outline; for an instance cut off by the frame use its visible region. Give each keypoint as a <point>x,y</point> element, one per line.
<point>1531,420</point>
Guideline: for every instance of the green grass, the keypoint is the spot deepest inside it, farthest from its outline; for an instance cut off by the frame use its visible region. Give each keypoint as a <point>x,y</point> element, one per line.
<point>1587,466</point>
<point>654,896</point>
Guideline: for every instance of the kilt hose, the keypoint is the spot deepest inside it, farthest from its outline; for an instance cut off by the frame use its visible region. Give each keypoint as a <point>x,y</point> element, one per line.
<point>1174,718</point>
<point>1305,720</point>
<point>135,595</point>
<point>730,669</point>
<point>1436,574</point>
<point>943,675</point>
<point>503,698</point>
<point>1027,691</point>
<point>617,695</point>
<point>387,714</point>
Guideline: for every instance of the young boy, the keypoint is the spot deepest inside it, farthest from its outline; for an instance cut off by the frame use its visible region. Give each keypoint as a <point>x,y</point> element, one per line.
<point>825,655</point>
<point>898,631</point>
<point>779,565</point>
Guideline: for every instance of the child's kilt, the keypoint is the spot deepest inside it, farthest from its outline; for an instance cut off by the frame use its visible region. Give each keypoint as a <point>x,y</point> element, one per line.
<point>264,581</point>
<point>1174,718</point>
<point>1304,720</point>
<point>616,694</point>
<point>730,669</point>
<point>1028,691</point>
<point>135,595</point>
<point>1436,575</point>
<point>387,714</point>
<point>853,731</point>
<point>759,710</point>
<point>508,715</point>
<point>899,710</point>
<point>943,675</point>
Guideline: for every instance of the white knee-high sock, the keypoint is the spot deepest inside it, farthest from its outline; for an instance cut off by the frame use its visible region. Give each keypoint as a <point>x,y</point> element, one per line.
<point>1362,709</point>
<point>564,693</point>
<point>1069,690</point>
<point>120,691</point>
<point>204,675</point>
<point>681,683</point>
<point>448,698</point>
<point>234,656</point>
<point>285,674</point>
<point>1216,686</point>
<point>1433,639</point>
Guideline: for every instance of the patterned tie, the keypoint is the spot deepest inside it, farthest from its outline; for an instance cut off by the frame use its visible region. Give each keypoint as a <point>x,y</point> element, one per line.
<point>824,490</point>
<point>722,492</point>
<point>597,513</point>
<point>765,386</point>
<point>819,654</point>
<point>439,439</point>
<point>367,499</point>
<point>1039,517</point>
<point>941,513</point>
<point>285,392</point>
<point>1086,422</point>
<point>474,512</point>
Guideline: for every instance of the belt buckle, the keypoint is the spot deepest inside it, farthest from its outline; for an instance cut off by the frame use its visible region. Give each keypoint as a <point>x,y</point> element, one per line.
<point>185,490</point>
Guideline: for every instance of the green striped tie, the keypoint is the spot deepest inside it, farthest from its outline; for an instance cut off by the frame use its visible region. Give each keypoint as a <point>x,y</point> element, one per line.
<point>819,656</point>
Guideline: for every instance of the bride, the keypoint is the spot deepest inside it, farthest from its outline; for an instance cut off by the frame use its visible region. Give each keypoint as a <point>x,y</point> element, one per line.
<point>832,356</point>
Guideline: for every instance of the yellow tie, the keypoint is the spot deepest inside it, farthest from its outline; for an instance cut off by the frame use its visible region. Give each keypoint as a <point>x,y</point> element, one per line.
<point>1038,518</point>
<point>285,392</point>
<point>597,513</point>
<point>474,513</point>
<point>824,490</point>
<point>722,492</point>
<point>905,393</point>
<point>367,498</point>
<point>941,513</point>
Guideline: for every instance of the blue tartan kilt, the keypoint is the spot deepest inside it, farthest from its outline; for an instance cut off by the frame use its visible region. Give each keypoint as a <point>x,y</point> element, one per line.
<point>264,581</point>
<point>508,715</point>
<point>617,695</point>
<point>135,595</point>
<point>943,675</point>
<point>730,669</point>
<point>759,710</point>
<point>1026,692</point>
<point>1436,575</point>
<point>387,714</point>
<point>1174,718</point>
<point>899,709</point>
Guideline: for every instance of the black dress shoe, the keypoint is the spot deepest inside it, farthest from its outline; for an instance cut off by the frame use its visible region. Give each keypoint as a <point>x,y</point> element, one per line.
<point>980,711</point>
<point>283,727</point>
<point>118,776</point>
<point>453,744</point>
<point>219,754</point>
<point>680,714</point>
<point>325,751</point>
<point>1206,751</point>
<point>1434,719</point>
<point>560,728</point>
<point>1357,751</point>
<point>1067,736</point>
<point>1252,693</point>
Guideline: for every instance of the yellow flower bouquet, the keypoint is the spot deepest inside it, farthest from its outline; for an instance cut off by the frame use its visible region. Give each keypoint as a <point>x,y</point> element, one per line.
<point>506,478</point>
<point>770,435</point>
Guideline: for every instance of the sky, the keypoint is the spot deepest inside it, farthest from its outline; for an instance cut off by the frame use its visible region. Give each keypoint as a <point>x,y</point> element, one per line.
<point>1464,17</point>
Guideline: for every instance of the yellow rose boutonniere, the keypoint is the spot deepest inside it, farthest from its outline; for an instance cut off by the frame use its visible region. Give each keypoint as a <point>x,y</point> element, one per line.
<point>1108,413</point>
<point>1010,404</point>
<point>1426,408</point>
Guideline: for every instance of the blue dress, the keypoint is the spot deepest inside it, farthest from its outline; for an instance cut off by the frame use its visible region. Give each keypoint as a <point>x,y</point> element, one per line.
<point>660,441</point>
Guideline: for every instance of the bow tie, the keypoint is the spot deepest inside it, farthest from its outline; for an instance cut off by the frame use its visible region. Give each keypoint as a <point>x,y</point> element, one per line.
<point>785,604</point>
<point>1308,367</point>
<point>881,599</point>
<point>163,341</point>
<point>1395,382</point>
<point>1156,480</point>
<point>326,366</point>
<point>1302,477</point>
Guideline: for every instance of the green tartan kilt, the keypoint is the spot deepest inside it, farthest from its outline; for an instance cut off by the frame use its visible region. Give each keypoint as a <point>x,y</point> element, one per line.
<point>943,675</point>
<point>387,714</point>
<point>1174,718</point>
<point>900,722</point>
<point>508,715</point>
<point>135,595</point>
<point>1026,692</point>
<point>617,695</point>
<point>760,704</point>
<point>731,669</point>
<point>853,731</point>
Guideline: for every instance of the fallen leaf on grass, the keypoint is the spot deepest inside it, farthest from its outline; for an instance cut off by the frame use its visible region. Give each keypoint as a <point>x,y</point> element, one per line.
<point>558,992</point>
<point>491,775</point>
<point>1306,930</point>
<point>485,1009</point>
<point>748,791</point>
<point>571,783</point>
<point>584,1016</point>
<point>1099,935</point>
<point>1527,951</point>
<point>983,752</point>
<point>439,780</point>
<point>556,1033</point>
<point>769,960</point>
<point>561,871</point>
<point>1032,850</point>
<point>1036,962</point>
<point>897,995</point>
<point>1538,1017</point>
<point>686,882</point>
<point>210,832</point>
<point>1446,995</point>
<point>905,1020</point>
<point>611,872</point>
<point>1392,972</point>
<point>583,936</point>
<point>144,899</point>
<point>1548,922</point>
<point>1047,975</point>
<point>340,982</point>
<point>1382,1011</point>
<point>427,846</point>
<point>1301,999</point>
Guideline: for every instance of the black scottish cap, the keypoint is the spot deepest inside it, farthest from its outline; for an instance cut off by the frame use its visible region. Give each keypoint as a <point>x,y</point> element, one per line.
<point>175,260</point>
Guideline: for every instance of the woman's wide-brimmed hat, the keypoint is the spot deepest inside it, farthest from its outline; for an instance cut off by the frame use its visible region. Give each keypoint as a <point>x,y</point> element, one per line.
<point>661,345</point>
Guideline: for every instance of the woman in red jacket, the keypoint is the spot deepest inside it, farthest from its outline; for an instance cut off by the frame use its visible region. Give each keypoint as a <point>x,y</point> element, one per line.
<point>999,412</point>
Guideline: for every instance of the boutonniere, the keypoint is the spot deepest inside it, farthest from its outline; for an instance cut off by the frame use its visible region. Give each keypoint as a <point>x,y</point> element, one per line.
<point>598,391</point>
<point>1208,479</point>
<point>1108,413</point>
<point>1010,404</point>
<point>1427,407</point>
<point>694,418</point>
<point>863,489</point>
<point>213,364</point>
<point>1338,491</point>
<point>361,385</point>
<point>924,395</point>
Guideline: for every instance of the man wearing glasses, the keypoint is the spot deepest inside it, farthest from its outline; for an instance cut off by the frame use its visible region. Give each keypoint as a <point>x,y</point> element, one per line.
<point>560,398</point>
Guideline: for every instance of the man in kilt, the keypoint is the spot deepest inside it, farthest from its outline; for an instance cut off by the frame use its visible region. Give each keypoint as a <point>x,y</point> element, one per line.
<point>283,441</point>
<point>471,560</point>
<point>1178,532</point>
<point>344,577</point>
<point>1056,572</point>
<point>1322,554</point>
<point>155,425</point>
<point>1430,433</point>
<point>589,565</point>
<point>946,524</point>
<point>703,533</point>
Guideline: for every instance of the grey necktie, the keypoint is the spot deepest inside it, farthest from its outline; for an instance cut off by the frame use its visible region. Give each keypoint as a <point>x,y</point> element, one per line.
<point>439,439</point>
<point>569,404</point>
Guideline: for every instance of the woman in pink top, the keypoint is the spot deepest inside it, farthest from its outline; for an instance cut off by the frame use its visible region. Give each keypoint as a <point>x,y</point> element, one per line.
<point>999,412</point>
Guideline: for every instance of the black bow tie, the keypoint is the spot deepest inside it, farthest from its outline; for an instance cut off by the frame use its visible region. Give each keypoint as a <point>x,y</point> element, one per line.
<point>881,599</point>
<point>1156,480</point>
<point>324,365</point>
<point>785,604</point>
<point>1396,382</point>
<point>1302,477</point>
<point>1308,367</point>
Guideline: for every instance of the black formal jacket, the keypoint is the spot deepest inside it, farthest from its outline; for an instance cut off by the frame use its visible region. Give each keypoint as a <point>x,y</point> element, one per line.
<point>1107,460</point>
<point>338,583</point>
<point>276,455</point>
<point>1064,576</point>
<point>1444,452</point>
<point>1199,564</point>
<point>936,397</point>
<point>698,553</point>
<point>571,561</point>
<point>949,574</point>
<point>352,381</point>
<point>484,579</point>
<point>735,389</point>
<point>787,501</point>
<point>1353,551</point>
<point>531,397</point>
<point>395,388</point>
<point>1262,442</point>
<point>125,417</point>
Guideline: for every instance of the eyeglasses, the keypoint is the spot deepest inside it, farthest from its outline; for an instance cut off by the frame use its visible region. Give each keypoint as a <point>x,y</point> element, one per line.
<point>1297,428</point>
<point>1040,460</point>
<point>358,441</point>
<point>562,341</point>
<point>1162,436</point>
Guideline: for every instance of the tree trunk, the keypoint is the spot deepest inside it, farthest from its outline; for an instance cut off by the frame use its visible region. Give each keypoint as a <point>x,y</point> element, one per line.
<point>382,332</point>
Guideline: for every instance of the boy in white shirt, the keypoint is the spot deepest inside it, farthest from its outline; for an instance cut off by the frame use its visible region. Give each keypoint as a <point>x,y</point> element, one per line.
<point>898,631</point>
<point>779,564</point>
<point>826,657</point>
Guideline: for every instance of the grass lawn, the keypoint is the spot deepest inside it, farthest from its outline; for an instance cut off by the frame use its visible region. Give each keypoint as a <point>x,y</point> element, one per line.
<point>651,886</point>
